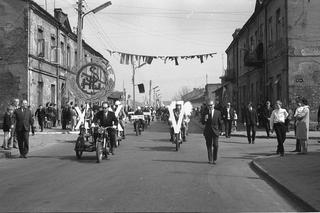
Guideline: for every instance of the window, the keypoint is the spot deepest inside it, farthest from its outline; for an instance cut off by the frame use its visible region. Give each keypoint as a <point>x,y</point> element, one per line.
<point>53,48</point>
<point>40,43</point>
<point>62,55</point>
<point>278,86</point>
<point>270,34</point>
<point>278,25</point>
<point>256,37</point>
<point>40,92</point>
<point>261,30</point>
<point>75,58</point>
<point>68,56</point>
<point>251,43</point>
<point>53,93</point>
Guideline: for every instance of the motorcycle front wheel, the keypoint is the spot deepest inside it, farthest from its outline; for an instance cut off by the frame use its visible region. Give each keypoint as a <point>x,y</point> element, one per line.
<point>79,147</point>
<point>99,151</point>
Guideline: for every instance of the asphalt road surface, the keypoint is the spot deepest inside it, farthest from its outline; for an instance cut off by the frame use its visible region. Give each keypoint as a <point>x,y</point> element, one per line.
<point>145,174</point>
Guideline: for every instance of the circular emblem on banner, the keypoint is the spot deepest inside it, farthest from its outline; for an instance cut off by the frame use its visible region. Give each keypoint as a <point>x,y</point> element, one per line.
<point>92,81</point>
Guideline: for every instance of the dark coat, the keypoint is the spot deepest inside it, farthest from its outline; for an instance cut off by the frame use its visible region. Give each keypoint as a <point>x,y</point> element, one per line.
<point>7,122</point>
<point>225,113</point>
<point>104,120</point>
<point>266,113</point>
<point>40,113</point>
<point>213,124</point>
<point>23,119</point>
<point>251,117</point>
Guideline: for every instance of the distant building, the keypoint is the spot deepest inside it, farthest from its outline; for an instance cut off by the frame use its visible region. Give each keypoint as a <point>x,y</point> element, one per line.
<point>195,97</point>
<point>276,55</point>
<point>37,51</point>
<point>213,92</point>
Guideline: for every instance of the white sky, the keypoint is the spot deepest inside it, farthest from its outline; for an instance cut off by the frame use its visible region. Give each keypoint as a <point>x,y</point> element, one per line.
<point>162,27</point>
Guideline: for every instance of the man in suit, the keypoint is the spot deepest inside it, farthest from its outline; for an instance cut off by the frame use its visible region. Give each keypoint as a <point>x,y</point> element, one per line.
<point>213,122</point>
<point>24,121</point>
<point>266,114</point>
<point>228,116</point>
<point>251,121</point>
<point>106,118</point>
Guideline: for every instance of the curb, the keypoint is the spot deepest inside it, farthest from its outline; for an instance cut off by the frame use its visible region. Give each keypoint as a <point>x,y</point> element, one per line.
<point>295,198</point>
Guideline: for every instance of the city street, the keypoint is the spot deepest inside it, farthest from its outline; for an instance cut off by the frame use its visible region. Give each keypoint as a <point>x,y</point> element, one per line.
<point>145,174</point>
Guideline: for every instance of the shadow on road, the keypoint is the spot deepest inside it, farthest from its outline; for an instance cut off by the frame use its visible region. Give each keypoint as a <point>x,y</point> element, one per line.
<point>161,140</point>
<point>84,159</point>
<point>183,161</point>
<point>159,148</point>
<point>250,156</point>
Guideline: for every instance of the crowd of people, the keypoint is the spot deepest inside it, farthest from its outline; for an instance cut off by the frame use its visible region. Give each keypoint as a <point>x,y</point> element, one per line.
<point>18,120</point>
<point>274,118</point>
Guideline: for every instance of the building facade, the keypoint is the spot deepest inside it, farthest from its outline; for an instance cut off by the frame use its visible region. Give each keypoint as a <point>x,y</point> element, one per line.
<point>37,51</point>
<point>276,55</point>
<point>195,97</point>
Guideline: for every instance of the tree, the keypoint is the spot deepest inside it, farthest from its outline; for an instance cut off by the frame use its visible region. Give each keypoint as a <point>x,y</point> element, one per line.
<point>183,91</point>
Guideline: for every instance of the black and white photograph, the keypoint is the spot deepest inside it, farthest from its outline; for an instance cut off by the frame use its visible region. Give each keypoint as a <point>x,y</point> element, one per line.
<point>160,106</point>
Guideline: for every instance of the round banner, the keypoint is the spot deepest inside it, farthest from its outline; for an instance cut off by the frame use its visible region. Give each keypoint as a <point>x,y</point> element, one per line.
<point>93,81</point>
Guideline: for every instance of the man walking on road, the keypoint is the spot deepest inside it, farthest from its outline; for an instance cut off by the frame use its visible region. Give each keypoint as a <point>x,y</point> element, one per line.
<point>24,121</point>
<point>251,121</point>
<point>228,116</point>
<point>266,114</point>
<point>213,121</point>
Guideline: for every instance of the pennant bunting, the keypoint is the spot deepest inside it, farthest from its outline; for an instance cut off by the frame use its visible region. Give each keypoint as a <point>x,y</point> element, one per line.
<point>126,58</point>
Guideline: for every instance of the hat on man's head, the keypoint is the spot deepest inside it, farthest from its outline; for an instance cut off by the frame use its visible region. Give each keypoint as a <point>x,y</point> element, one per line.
<point>117,103</point>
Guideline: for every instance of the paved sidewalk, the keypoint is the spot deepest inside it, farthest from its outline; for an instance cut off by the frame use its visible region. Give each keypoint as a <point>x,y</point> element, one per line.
<point>296,175</point>
<point>36,141</point>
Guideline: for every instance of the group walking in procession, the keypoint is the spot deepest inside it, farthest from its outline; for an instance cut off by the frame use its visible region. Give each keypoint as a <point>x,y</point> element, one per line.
<point>217,121</point>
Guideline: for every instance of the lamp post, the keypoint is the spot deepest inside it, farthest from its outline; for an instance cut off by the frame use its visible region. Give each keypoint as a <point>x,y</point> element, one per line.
<point>80,25</point>
<point>134,68</point>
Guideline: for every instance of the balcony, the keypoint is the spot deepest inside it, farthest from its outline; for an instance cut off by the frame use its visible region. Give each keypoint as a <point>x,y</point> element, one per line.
<point>254,58</point>
<point>229,75</point>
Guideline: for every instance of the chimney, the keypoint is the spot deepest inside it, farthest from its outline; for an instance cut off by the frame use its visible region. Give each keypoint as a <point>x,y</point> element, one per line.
<point>236,32</point>
<point>60,16</point>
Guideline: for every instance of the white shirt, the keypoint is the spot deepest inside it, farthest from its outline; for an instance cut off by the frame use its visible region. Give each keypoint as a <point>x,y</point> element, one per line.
<point>278,116</point>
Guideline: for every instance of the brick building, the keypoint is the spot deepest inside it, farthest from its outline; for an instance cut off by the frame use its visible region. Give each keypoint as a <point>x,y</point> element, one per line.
<point>37,51</point>
<point>276,55</point>
<point>195,97</point>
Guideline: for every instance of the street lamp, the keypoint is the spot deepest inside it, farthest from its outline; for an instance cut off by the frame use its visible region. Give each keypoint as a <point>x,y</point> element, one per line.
<point>80,24</point>
<point>134,68</point>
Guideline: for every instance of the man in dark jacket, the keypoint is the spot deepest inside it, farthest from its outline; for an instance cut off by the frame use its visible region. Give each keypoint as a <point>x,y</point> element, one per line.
<point>41,115</point>
<point>228,116</point>
<point>213,121</point>
<point>266,114</point>
<point>24,121</point>
<point>106,118</point>
<point>251,122</point>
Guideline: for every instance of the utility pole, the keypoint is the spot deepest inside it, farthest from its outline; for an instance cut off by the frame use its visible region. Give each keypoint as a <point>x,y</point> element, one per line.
<point>150,92</point>
<point>79,33</point>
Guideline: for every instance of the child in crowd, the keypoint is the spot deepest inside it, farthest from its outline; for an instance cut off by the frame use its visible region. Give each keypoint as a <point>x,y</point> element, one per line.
<point>7,127</point>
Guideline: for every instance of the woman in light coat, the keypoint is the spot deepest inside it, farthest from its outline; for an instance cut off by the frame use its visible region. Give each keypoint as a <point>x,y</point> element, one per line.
<point>302,116</point>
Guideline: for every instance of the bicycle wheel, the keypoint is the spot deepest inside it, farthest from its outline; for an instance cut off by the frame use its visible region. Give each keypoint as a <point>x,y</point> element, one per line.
<point>79,147</point>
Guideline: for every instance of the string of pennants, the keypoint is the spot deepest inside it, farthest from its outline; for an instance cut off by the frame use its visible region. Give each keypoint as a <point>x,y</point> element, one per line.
<point>127,58</point>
